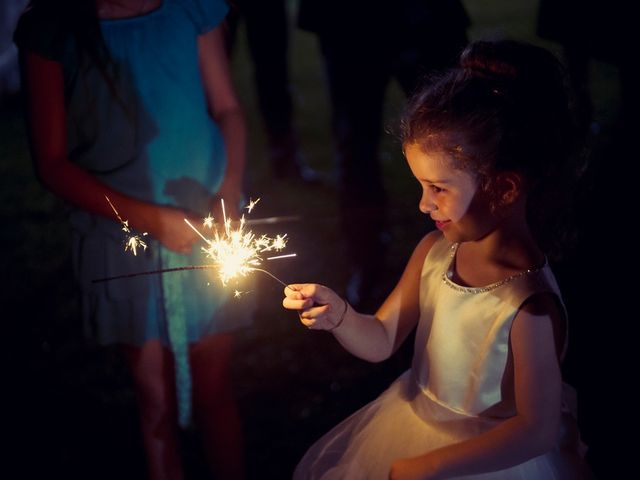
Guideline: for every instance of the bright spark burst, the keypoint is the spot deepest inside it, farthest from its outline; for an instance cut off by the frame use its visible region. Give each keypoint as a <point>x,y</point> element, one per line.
<point>134,241</point>
<point>252,204</point>
<point>237,252</point>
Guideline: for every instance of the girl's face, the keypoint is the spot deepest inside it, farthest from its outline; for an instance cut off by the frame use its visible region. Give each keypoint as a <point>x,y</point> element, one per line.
<point>450,196</point>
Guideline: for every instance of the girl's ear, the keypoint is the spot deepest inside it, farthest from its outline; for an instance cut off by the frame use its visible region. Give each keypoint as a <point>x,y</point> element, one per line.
<point>509,187</point>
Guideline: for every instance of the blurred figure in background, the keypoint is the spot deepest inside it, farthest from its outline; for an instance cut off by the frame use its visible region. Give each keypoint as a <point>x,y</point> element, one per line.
<point>591,31</point>
<point>364,47</point>
<point>133,101</point>
<point>267,28</point>
<point>9,71</point>
<point>594,30</point>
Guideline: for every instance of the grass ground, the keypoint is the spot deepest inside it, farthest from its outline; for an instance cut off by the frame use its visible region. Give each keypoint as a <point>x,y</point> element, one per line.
<point>77,416</point>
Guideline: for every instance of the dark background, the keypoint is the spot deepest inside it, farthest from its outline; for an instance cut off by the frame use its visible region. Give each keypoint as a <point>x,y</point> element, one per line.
<point>71,408</point>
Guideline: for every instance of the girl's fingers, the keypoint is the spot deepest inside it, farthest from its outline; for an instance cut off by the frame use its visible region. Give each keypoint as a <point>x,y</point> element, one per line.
<point>307,322</point>
<point>297,303</point>
<point>314,312</point>
<point>305,289</point>
<point>295,292</point>
<point>292,289</point>
<point>303,298</point>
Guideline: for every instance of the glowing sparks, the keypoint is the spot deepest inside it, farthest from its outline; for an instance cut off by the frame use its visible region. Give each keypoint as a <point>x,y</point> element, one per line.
<point>208,221</point>
<point>277,257</point>
<point>237,252</point>
<point>134,241</point>
<point>252,204</point>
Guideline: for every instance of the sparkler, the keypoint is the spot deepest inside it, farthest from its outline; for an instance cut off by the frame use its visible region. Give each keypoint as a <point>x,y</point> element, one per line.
<point>134,241</point>
<point>235,251</point>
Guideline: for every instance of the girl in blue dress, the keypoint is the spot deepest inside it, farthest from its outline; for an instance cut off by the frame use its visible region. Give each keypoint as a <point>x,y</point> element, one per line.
<point>483,398</point>
<point>132,100</point>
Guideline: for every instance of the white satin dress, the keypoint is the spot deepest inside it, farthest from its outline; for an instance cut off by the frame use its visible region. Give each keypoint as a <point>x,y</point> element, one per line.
<point>459,385</point>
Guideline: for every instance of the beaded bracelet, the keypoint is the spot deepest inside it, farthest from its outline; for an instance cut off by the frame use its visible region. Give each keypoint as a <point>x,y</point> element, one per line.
<point>341,319</point>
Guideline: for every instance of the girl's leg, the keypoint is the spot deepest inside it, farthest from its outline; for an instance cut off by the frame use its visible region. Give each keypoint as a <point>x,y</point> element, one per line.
<point>215,409</point>
<point>153,375</point>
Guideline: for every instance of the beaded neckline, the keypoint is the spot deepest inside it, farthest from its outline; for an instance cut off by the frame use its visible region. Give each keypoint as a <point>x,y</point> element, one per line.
<point>448,274</point>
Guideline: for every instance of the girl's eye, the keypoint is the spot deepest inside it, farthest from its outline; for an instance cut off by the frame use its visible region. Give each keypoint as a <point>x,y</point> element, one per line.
<point>436,189</point>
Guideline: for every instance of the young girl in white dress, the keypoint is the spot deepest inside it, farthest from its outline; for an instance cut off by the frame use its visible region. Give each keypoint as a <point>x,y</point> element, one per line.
<point>484,398</point>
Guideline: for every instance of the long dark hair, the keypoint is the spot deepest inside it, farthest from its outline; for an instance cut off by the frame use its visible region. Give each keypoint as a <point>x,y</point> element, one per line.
<point>78,20</point>
<point>505,107</point>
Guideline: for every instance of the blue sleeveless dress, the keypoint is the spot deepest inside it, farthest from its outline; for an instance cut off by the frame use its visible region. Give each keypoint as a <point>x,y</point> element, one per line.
<point>143,129</point>
<point>147,133</point>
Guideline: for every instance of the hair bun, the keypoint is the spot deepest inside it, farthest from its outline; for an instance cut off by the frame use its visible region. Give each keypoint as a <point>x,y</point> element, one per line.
<point>488,60</point>
<point>511,60</point>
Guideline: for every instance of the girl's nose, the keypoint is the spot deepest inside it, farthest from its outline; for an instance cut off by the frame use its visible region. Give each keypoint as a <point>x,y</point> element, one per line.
<point>426,203</point>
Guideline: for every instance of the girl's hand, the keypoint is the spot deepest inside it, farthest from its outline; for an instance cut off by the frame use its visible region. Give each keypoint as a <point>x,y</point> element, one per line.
<point>169,227</point>
<point>416,468</point>
<point>319,307</point>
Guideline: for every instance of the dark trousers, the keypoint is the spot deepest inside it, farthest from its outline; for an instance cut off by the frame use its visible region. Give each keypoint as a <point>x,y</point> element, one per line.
<point>267,28</point>
<point>358,74</point>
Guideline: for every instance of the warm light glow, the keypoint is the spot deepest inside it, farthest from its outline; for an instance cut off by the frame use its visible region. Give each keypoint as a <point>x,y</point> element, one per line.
<point>237,252</point>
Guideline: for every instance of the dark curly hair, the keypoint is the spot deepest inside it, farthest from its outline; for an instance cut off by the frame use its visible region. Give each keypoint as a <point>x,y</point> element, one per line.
<point>505,107</point>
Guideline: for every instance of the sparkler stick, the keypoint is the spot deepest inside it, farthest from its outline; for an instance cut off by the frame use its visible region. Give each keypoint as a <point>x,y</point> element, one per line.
<point>154,272</point>
<point>271,275</point>
<point>189,267</point>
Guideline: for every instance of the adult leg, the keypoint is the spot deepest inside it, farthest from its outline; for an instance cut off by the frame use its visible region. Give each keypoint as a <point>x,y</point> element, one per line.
<point>215,408</point>
<point>357,75</point>
<point>431,45</point>
<point>268,39</point>
<point>577,59</point>
<point>152,370</point>
<point>267,26</point>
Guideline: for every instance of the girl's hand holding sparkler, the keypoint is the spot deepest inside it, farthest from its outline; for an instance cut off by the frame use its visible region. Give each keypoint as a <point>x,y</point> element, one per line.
<point>319,307</point>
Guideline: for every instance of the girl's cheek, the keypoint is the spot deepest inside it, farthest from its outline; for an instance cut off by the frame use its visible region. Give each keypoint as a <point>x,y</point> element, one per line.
<point>460,209</point>
<point>463,200</point>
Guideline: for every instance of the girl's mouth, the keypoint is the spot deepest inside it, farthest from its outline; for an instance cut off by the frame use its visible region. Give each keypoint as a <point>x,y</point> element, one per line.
<point>441,224</point>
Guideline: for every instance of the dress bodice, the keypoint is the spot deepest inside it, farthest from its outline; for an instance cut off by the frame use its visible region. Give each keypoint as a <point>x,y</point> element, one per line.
<point>462,340</point>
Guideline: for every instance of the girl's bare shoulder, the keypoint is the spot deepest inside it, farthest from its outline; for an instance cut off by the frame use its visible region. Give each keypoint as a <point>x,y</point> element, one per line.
<point>424,246</point>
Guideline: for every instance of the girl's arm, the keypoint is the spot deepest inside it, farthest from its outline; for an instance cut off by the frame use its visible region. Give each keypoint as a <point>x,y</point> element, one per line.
<point>533,430</point>
<point>225,110</point>
<point>370,337</point>
<point>43,83</point>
